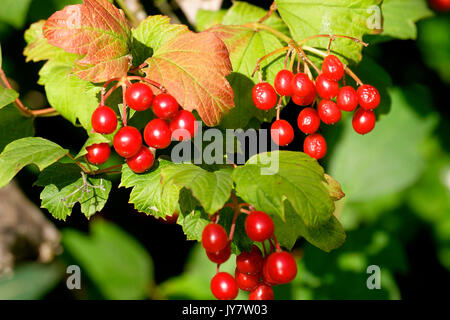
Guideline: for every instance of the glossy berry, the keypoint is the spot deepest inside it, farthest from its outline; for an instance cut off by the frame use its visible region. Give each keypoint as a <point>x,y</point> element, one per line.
<point>141,161</point>
<point>440,5</point>
<point>170,219</point>
<point>282,132</point>
<point>139,96</point>
<point>304,101</point>
<point>315,146</point>
<point>347,99</point>
<point>282,82</point>
<point>246,282</point>
<point>250,262</point>
<point>104,120</point>
<point>261,292</point>
<point>363,121</point>
<point>259,226</point>
<point>127,141</point>
<point>266,278</point>
<point>214,237</point>
<point>281,267</point>
<point>368,97</point>
<point>327,89</point>
<point>157,134</point>
<point>302,86</point>
<point>329,112</point>
<point>183,125</point>
<point>332,68</point>
<point>264,96</point>
<point>308,121</point>
<point>220,256</point>
<point>98,153</point>
<point>165,106</point>
<point>223,286</point>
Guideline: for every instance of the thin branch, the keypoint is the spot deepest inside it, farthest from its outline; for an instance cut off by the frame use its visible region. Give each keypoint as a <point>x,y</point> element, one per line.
<point>272,9</point>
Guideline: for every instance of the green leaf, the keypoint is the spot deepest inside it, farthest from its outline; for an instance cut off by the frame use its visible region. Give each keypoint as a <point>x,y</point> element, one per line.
<point>148,194</point>
<point>13,126</point>
<point>25,151</point>
<point>307,18</point>
<point>211,189</point>
<point>14,12</point>
<point>115,262</point>
<point>207,18</point>
<point>193,224</point>
<point>268,180</point>
<point>399,18</point>
<point>7,96</point>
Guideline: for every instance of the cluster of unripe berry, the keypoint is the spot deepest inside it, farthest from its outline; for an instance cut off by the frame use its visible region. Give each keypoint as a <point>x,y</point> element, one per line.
<point>170,122</point>
<point>333,100</point>
<point>255,272</point>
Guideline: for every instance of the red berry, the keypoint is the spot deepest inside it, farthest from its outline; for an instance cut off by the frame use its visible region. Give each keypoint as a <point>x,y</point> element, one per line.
<point>347,100</point>
<point>223,286</point>
<point>139,96</point>
<point>259,226</point>
<point>165,106</point>
<point>183,125</point>
<point>329,112</point>
<point>246,282</point>
<point>326,88</point>
<point>264,96</point>
<point>302,86</point>
<point>98,153</point>
<point>250,262</point>
<point>157,134</point>
<point>315,146</point>
<point>308,120</point>
<point>127,141</point>
<point>282,132</point>
<point>440,5</point>
<point>363,121</point>
<point>104,120</point>
<point>281,267</point>
<point>282,82</point>
<point>266,278</point>
<point>332,68</point>
<point>368,97</point>
<point>261,292</point>
<point>214,237</point>
<point>220,256</point>
<point>170,219</point>
<point>141,161</point>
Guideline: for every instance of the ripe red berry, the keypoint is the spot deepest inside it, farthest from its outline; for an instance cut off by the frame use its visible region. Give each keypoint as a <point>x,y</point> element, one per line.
<point>304,101</point>
<point>327,89</point>
<point>214,237</point>
<point>104,120</point>
<point>281,267</point>
<point>165,106</point>
<point>183,125</point>
<point>363,121</point>
<point>264,96</point>
<point>250,262</point>
<point>157,134</point>
<point>141,161</point>
<point>246,282</point>
<point>170,219</point>
<point>282,132</point>
<point>259,226</point>
<point>127,141</point>
<point>347,100</point>
<point>139,96</point>
<point>368,97</point>
<point>282,82</point>
<point>266,278</point>
<point>440,5</point>
<point>220,256</point>
<point>315,146</point>
<point>308,120</point>
<point>261,292</point>
<point>329,112</point>
<point>332,68</point>
<point>224,287</point>
<point>98,153</point>
<point>302,86</point>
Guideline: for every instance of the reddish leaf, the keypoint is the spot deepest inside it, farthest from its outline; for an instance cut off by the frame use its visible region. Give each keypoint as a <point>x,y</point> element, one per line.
<point>96,30</point>
<point>193,67</point>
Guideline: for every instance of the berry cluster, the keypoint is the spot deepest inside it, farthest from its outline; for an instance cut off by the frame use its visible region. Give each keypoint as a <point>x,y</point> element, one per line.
<point>332,101</point>
<point>170,122</point>
<point>255,272</point>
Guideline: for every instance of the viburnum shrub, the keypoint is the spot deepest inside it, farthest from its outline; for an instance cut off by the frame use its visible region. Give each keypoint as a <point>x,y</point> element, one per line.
<point>144,92</point>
